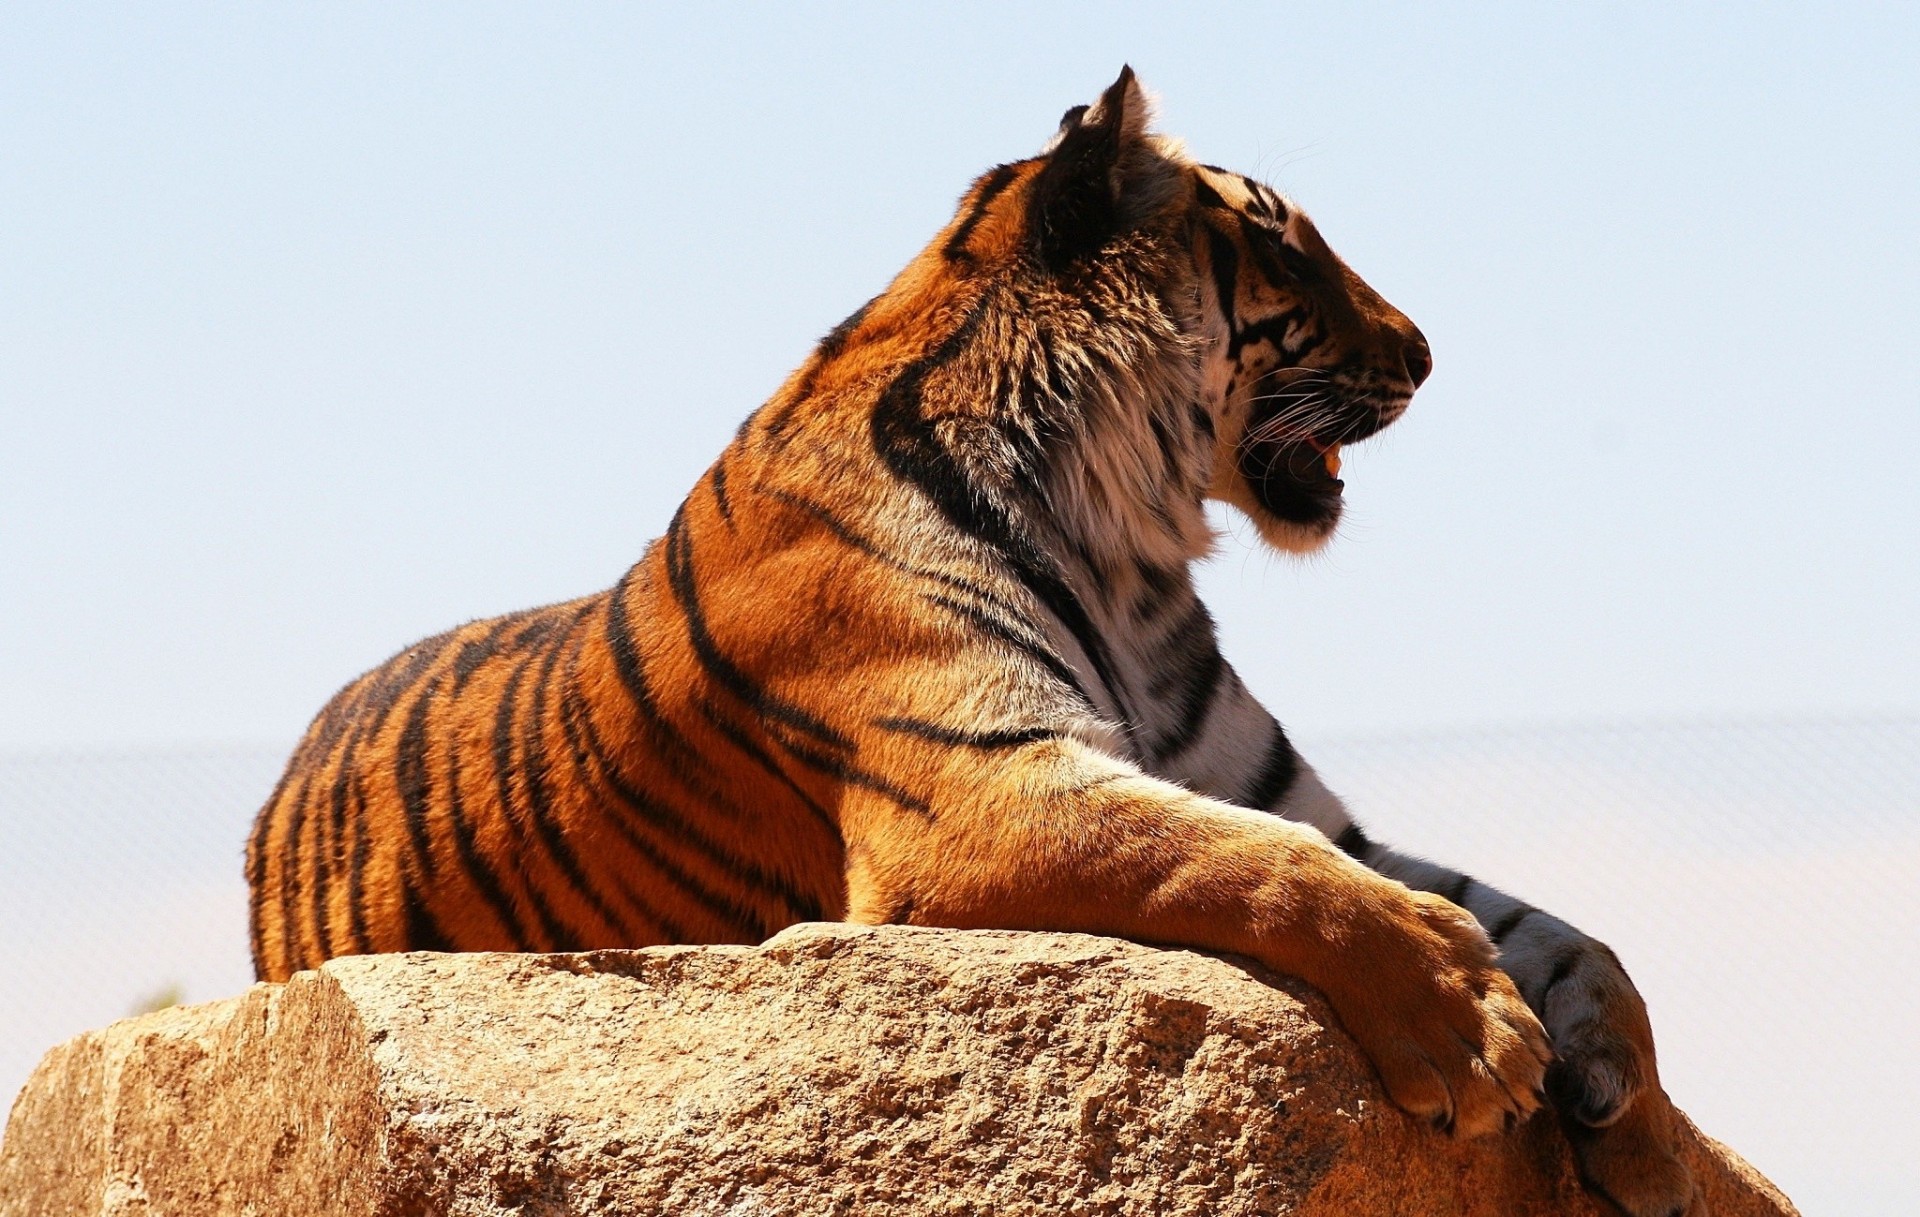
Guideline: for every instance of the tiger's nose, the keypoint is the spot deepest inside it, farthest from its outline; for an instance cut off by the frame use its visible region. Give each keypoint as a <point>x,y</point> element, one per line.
<point>1418,359</point>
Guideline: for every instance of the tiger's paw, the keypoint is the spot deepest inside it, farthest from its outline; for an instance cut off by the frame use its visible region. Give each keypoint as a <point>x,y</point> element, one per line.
<point>1449,1034</point>
<point>1603,1082</point>
<point>1602,1040</point>
<point>1634,1163</point>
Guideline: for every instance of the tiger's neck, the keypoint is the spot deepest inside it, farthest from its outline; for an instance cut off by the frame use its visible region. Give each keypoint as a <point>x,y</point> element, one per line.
<point>1120,514</point>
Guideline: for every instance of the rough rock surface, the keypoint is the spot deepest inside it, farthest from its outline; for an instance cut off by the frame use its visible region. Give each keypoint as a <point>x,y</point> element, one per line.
<point>830,1070</point>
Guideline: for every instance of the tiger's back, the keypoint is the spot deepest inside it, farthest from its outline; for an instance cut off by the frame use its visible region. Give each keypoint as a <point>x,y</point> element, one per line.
<point>474,793</point>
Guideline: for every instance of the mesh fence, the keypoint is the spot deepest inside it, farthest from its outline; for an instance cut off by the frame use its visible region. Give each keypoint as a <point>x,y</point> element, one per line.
<point>1757,879</point>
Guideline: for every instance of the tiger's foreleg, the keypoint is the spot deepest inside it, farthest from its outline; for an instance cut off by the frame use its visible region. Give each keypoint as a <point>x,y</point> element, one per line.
<point>1603,1081</point>
<point>1057,836</point>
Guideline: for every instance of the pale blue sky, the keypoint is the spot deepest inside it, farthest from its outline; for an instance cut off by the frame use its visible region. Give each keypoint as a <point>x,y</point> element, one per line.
<point>326,327</point>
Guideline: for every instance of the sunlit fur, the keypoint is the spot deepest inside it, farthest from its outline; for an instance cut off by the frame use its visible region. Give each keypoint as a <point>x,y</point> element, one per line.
<point>922,646</point>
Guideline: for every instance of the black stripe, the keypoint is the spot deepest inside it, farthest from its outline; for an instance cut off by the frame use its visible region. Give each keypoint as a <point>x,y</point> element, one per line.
<point>476,651</point>
<point>680,576</point>
<point>1499,930</point>
<point>625,890</point>
<point>666,820</point>
<point>1159,587</point>
<point>476,868</point>
<point>905,439</point>
<point>1007,632</point>
<point>1259,242</point>
<point>1206,194</point>
<point>1052,591</point>
<point>326,829</point>
<point>289,893</point>
<point>846,771</point>
<point>332,724</point>
<point>626,656</point>
<point>669,928</point>
<point>423,932</point>
<point>414,780</point>
<point>330,830</point>
<point>502,744</point>
<point>557,936</point>
<point>355,716</point>
<point>741,740</point>
<point>1455,890</point>
<point>1225,261</point>
<point>1301,266</point>
<point>837,338</point>
<point>1276,773</point>
<point>835,764</point>
<point>717,479</point>
<point>539,626</point>
<point>595,770</point>
<point>1254,197</point>
<point>359,711</point>
<point>1354,843</point>
<point>384,695</point>
<point>1273,330</point>
<point>1169,456</point>
<point>1194,711</point>
<point>1189,678</point>
<point>1089,561</point>
<point>1059,384</point>
<point>256,863</point>
<point>1563,965</point>
<point>363,715</point>
<point>851,536</point>
<point>539,796</point>
<point>997,181</point>
<point>959,737</point>
<point>829,349</point>
<point>833,524</point>
<point>356,876</point>
<point>676,755</point>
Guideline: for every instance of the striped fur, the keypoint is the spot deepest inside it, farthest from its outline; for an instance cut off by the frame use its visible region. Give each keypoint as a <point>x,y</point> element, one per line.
<point>922,646</point>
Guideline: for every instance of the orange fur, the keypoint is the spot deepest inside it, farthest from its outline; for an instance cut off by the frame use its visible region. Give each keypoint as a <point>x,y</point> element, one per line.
<point>848,682</point>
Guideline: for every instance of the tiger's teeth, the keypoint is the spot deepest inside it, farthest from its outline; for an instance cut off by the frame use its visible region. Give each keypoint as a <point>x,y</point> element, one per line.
<point>1332,458</point>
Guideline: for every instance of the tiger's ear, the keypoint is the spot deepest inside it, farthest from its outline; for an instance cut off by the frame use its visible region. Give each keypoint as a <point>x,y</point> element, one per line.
<point>1076,203</point>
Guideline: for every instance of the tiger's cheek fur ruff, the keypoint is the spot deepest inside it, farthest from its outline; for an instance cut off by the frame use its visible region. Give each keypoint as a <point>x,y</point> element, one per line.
<point>923,646</point>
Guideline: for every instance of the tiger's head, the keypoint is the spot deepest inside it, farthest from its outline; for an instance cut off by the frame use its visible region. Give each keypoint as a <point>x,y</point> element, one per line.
<point>1291,354</point>
<point>1301,357</point>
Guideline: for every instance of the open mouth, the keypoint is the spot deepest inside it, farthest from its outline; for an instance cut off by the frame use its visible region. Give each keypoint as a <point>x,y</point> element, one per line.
<point>1297,479</point>
<point>1290,451</point>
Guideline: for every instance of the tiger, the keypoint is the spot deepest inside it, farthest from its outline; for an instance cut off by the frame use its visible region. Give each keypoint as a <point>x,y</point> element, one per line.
<point>923,647</point>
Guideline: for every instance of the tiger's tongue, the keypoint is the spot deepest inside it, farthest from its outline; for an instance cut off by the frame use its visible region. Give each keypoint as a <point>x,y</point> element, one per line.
<point>1330,456</point>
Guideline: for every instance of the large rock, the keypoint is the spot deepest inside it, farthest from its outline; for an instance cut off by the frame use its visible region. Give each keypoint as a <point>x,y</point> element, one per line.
<point>831,1070</point>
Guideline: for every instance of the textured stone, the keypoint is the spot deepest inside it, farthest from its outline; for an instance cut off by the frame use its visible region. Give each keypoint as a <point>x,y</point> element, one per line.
<point>831,1070</point>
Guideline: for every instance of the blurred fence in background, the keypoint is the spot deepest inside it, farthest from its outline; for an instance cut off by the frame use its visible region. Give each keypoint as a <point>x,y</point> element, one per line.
<point>1759,881</point>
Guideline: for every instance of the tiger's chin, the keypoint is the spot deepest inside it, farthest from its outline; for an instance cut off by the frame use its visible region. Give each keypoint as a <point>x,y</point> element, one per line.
<point>1295,493</point>
<point>1292,537</point>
